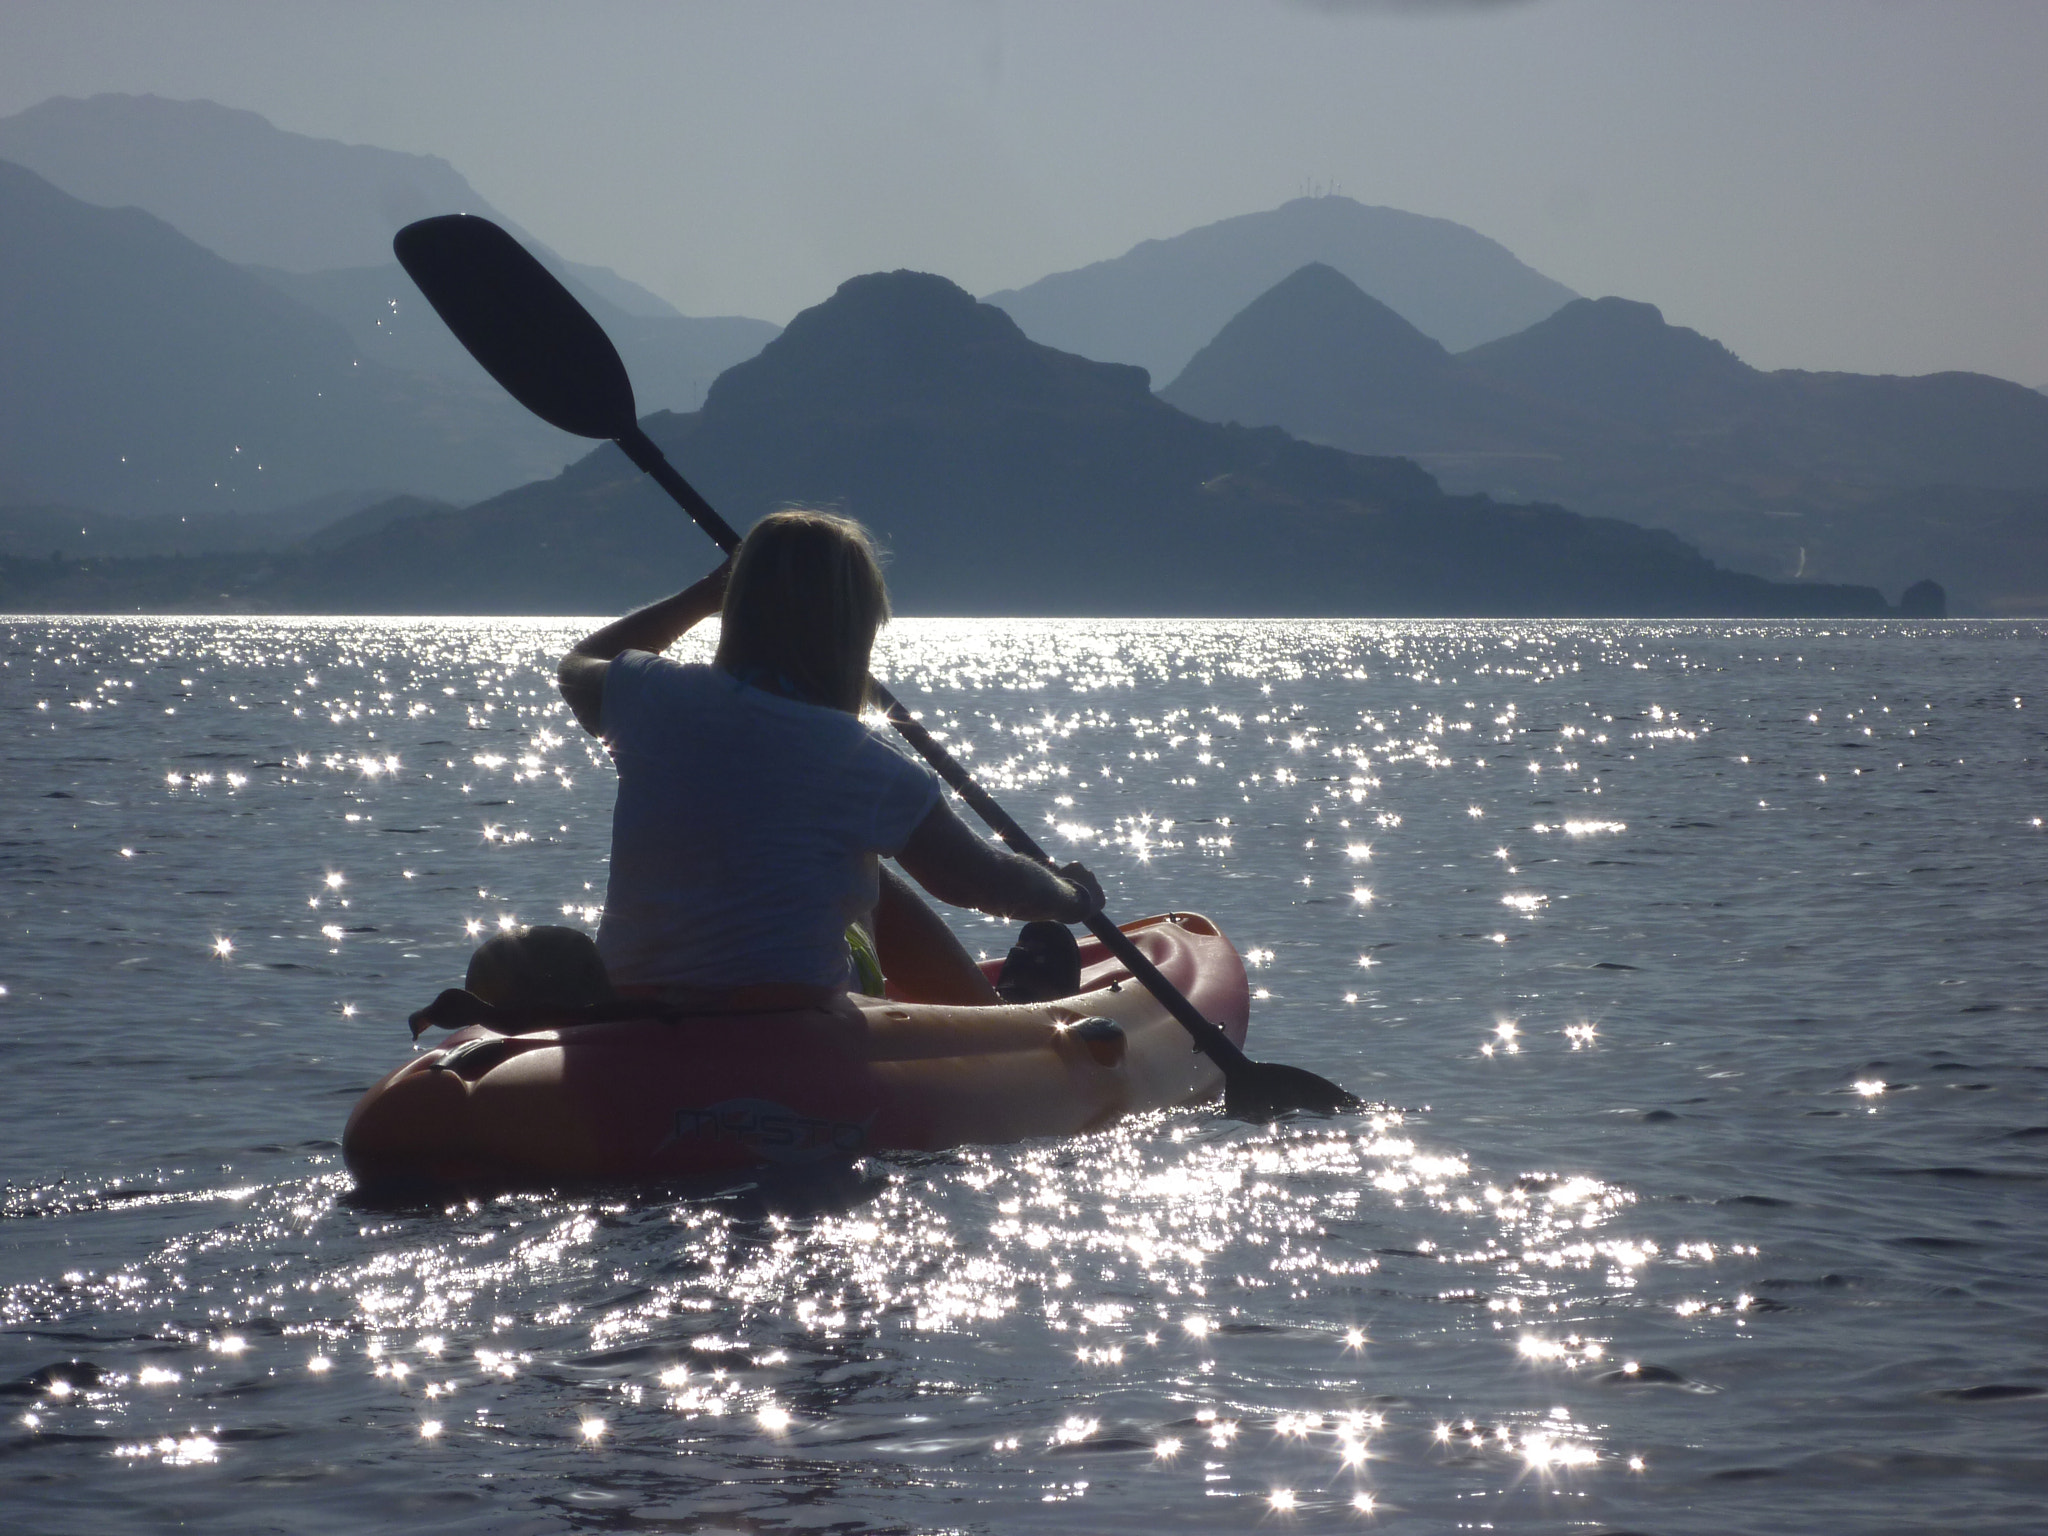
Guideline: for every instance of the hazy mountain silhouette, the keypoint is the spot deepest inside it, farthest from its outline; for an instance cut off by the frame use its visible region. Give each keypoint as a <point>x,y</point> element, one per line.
<point>1619,359</point>
<point>1324,359</point>
<point>315,218</point>
<point>142,374</point>
<point>1605,407</point>
<point>1313,332</point>
<point>1004,477</point>
<point>673,358</point>
<point>1835,476</point>
<point>40,532</point>
<point>1162,300</point>
<point>247,190</point>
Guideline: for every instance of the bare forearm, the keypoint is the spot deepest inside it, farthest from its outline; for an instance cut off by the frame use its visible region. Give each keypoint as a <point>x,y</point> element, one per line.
<point>959,866</point>
<point>1001,885</point>
<point>1034,892</point>
<point>659,625</point>
<point>653,628</point>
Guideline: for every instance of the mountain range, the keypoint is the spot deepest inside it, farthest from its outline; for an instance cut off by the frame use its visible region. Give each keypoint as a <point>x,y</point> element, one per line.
<point>1003,476</point>
<point>1162,300</point>
<point>145,376</point>
<point>142,374</point>
<point>1607,408</point>
<point>314,218</point>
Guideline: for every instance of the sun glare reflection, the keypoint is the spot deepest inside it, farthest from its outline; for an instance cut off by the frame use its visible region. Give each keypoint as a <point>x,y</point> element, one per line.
<point>1229,1307</point>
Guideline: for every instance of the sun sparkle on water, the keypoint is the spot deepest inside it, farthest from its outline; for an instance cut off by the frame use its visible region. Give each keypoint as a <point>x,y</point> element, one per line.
<point>1508,1243</point>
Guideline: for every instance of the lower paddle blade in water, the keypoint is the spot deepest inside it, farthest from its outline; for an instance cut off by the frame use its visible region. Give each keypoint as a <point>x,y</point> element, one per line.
<point>1268,1089</point>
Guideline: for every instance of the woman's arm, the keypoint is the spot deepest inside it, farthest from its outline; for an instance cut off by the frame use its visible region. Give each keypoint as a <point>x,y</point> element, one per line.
<point>957,865</point>
<point>653,628</point>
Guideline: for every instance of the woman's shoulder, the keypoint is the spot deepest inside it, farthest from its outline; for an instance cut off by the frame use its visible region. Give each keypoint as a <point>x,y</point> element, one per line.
<point>642,689</point>
<point>646,669</point>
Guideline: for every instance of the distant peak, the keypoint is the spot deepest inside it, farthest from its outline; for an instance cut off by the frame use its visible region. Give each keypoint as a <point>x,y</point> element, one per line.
<point>1319,284</point>
<point>914,336</point>
<point>1316,273</point>
<point>1316,315</point>
<point>1312,339</point>
<point>121,111</point>
<point>899,304</point>
<point>104,103</point>
<point>1613,326</point>
<point>1621,358</point>
<point>1164,299</point>
<point>905,287</point>
<point>1616,313</point>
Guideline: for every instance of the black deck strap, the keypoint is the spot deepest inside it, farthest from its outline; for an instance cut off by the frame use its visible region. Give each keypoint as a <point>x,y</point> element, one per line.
<point>458,1009</point>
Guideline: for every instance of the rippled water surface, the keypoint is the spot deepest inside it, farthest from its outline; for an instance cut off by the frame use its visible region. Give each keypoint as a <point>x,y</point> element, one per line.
<point>1695,972</point>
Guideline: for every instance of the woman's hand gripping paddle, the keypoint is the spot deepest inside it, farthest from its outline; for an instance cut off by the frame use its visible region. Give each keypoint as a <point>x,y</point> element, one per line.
<point>534,338</point>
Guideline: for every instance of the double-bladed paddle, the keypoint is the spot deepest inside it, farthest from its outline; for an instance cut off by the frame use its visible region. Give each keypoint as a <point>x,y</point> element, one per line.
<point>533,337</point>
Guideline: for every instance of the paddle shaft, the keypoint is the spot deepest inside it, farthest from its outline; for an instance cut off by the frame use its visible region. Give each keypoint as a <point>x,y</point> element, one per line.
<point>1209,1039</point>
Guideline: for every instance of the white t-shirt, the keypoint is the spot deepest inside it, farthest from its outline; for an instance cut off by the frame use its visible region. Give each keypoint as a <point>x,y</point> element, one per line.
<point>747,828</point>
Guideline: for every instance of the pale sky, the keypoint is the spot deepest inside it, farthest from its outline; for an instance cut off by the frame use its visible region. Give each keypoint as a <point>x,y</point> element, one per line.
<point>1857,184</point>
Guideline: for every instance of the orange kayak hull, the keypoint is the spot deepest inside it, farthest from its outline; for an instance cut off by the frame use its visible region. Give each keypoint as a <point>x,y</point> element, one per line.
<point>655,1099</point>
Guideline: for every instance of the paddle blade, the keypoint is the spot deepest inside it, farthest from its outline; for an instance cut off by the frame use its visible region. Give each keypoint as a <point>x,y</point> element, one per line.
<point>1266,1090</point>
<point>519,322</point>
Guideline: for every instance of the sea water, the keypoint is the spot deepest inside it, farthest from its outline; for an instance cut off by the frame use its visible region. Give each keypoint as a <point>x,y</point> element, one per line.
<point>1694,973</point>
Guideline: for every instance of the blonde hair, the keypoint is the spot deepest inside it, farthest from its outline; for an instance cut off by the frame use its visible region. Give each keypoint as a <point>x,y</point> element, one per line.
<point>802,606</point>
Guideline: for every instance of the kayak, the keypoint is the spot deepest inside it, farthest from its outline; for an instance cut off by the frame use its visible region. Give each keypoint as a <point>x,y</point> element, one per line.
<point>672,1097</point>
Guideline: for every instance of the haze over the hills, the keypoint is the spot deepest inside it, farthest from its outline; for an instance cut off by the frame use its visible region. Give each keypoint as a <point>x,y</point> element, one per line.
<point>1606,408</point>
<point>252,192</point>
<point>1004,477</point>
<point>1825,184</point>
<point>1318,355</point>
<point>314,218</point>
<point>1159,302</point>
<point>1599,406</point>
<point>142,374</point>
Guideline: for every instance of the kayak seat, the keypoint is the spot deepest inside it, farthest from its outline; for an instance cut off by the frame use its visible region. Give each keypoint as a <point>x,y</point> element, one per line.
<point>1044,963</point>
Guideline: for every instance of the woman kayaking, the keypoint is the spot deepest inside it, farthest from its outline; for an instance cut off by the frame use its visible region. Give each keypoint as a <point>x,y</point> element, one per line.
<point>754,808</point>
<point>755,805</point>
